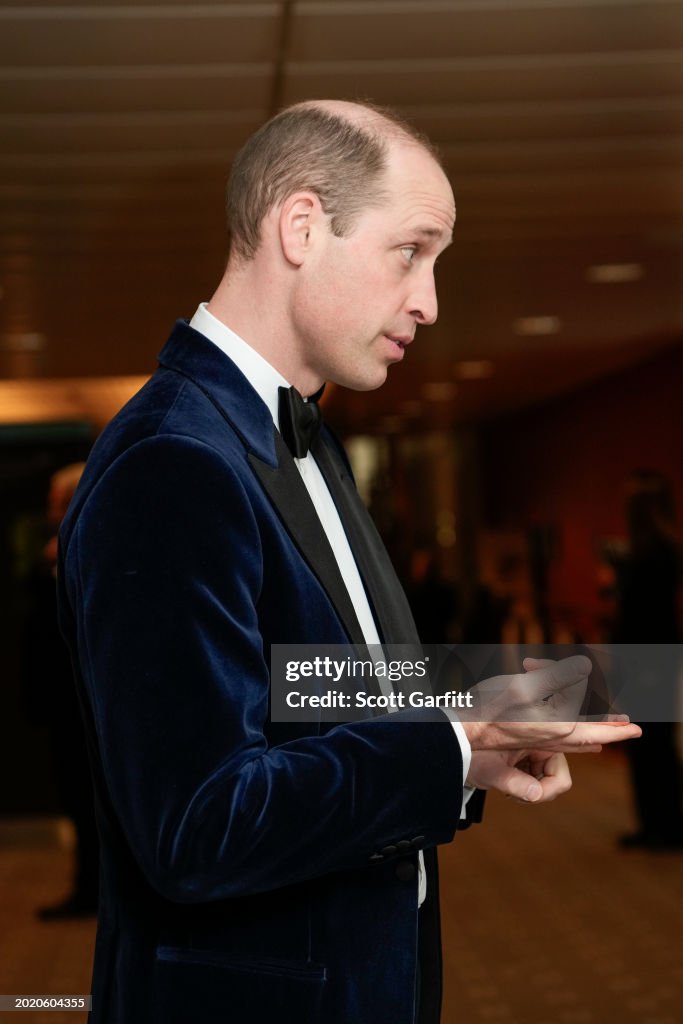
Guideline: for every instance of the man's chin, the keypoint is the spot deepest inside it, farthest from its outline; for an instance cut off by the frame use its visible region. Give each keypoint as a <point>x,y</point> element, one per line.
<point>367,381</point>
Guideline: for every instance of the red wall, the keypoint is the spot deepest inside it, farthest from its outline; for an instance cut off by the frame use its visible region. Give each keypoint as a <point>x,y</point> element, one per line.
<point>565,463</point>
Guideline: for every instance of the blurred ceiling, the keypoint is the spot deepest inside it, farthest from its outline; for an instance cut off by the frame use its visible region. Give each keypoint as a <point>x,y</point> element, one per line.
<point>561,123</point>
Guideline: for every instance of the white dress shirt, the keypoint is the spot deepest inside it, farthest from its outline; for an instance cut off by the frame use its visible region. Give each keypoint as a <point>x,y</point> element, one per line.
<point>266,380</point>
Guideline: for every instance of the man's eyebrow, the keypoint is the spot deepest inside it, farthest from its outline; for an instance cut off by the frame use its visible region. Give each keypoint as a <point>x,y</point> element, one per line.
<point>437,233</point>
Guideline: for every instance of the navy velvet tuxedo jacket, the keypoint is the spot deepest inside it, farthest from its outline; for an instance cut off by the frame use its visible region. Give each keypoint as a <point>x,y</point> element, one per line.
<point>250,871</point>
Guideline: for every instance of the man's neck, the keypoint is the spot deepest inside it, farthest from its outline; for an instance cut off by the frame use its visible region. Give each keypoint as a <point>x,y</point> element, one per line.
<point>244,304</point>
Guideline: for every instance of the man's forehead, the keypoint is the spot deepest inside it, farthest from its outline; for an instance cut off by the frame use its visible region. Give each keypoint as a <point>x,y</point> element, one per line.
<point>415,177</point>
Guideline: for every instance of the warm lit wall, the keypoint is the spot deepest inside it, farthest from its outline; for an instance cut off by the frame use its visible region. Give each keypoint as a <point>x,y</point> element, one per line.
<point>565,463</point>
<point>91,399</point>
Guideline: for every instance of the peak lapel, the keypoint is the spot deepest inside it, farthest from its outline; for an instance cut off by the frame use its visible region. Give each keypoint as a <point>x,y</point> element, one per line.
<point>288,493</point>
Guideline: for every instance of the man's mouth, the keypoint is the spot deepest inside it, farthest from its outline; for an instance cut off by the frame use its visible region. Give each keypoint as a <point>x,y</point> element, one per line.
<point>401,341</point>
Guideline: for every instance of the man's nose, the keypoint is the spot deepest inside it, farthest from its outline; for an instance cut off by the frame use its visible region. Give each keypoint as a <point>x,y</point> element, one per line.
<point>423,303</point>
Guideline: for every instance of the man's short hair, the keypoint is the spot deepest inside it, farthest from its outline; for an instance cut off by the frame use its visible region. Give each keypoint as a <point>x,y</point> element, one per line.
<point>309,148</point>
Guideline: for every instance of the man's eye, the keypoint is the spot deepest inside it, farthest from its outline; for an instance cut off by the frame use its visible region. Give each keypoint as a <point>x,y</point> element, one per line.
<point>409,252</point>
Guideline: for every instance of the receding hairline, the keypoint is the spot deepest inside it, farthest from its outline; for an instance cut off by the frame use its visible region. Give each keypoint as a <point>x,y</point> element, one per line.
<point>386,126</point>
<point>359,114</point>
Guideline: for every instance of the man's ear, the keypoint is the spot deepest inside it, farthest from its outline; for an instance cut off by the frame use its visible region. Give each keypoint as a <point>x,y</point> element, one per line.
<point>301,216</point>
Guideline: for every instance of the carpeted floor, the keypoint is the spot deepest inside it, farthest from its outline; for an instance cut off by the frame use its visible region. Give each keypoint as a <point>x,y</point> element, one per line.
<point>544,921</point>
<point>36,958</point>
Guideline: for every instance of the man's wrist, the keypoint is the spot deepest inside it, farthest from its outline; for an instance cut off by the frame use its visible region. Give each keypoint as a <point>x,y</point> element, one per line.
<point>474,732</point>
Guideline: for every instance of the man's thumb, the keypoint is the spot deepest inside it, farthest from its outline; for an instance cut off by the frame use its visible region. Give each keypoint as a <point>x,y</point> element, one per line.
<point>521,786</point>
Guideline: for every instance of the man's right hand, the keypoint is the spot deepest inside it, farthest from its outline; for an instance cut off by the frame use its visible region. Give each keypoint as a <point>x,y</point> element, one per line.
<point>529,776</point>
<point>538,709</point>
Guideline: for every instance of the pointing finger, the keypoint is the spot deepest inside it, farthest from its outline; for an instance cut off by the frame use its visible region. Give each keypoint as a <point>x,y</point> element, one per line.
<point>585,735</point>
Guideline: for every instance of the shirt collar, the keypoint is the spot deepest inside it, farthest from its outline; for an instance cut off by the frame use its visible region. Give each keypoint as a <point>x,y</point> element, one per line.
<point>263,377</point>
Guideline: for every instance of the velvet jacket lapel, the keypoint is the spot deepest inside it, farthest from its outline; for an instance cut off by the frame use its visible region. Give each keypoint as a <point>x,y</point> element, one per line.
<point>288,493</point>
<point>191,354</point>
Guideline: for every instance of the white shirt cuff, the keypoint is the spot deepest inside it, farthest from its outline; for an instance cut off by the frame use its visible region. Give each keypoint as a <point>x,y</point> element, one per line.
<point>466,751</point>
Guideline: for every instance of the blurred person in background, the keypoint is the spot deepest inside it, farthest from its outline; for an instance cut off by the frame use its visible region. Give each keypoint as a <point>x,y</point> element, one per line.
<point>52,703</point>
<point>647,588</point>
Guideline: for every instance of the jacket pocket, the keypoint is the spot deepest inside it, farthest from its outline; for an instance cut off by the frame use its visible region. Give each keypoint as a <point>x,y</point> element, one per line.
<point>236,962</point>
<point>221,988</point>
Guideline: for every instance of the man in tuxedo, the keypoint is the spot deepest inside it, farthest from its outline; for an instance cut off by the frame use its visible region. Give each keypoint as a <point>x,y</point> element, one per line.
<point>251,870</point>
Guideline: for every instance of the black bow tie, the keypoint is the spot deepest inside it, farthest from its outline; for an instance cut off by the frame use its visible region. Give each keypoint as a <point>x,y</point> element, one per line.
<point>299,420</point>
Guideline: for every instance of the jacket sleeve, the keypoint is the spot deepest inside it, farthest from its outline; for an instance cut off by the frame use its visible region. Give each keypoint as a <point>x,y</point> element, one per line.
<point>163,574</point>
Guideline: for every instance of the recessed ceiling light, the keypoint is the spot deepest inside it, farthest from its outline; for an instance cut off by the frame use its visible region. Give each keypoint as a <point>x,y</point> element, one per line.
<point>614,273</point>
<point>439,391</point>
<point>537,325</point>
<point>474,369</point>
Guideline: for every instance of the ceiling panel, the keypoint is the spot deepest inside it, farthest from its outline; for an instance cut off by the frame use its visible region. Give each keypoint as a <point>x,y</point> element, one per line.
<point>53,6</point>
<point>541,155</point>
<point>168,88</point>
<point>537,78</point>
<point>121,133</point>
<point>560,121</point>
<point>463,122</point>
<point>137,34</point>
<point>333,31</point>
